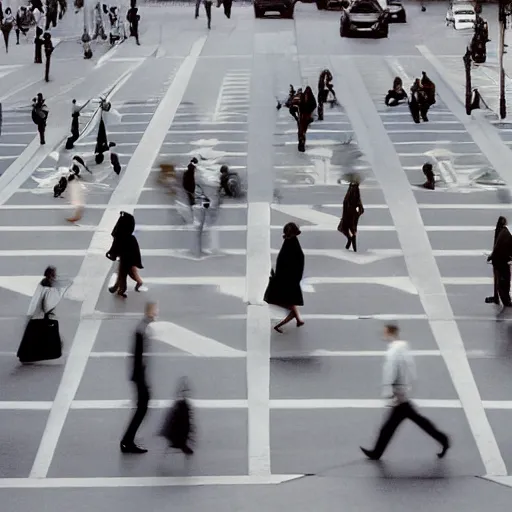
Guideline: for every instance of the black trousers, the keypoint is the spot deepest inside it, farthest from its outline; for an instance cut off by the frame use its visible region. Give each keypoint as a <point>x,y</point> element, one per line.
<point>502,276</point>
<point>322,98</point>
<point>47,69</point>
<point>227,8</point>
<point>140,412</point>
<point>51,19</point>
<point>398,414</point>
<point>41,128</point>
<point>208,9</point>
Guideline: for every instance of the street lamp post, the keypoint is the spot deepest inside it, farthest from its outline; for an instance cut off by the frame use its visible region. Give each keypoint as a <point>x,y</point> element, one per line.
<point>503,23</point>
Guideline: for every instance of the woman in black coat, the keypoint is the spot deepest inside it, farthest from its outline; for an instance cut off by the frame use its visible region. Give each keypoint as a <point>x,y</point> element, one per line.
<point>495,299</point>
<point>352,210</point>
<point>284,286</point>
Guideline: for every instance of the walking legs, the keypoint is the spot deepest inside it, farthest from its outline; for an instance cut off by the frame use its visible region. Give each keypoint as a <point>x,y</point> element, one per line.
<point>294,313</point>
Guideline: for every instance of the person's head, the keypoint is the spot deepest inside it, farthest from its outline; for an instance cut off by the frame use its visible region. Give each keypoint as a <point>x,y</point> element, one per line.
<point>111,144</point>
<point>291,230</point>
<point>151,310</point>
<point>391,332</point>
<point>8,10</point>
<point>224,169</point>
<point>50,275</point>
<point>502,221</point>
<point>39,31</point>
<point>40,98</point>
<point>47,36</point>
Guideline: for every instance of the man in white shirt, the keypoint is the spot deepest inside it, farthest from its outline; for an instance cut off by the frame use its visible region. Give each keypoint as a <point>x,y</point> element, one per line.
<point>399,372</point>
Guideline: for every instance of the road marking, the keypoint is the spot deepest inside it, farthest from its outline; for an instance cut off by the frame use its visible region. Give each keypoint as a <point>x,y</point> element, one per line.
<point>191,342</point>
<point>127,482</point>
<point>95,268</point>
<point>156,404</point>
<point>420,261</point>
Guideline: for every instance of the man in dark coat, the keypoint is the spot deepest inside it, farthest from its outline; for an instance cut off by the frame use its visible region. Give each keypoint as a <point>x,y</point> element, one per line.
<point>133,19</point>
<point>189,182</point>
<point>38,44</point>
<point>40,116</point>
<point>500,258</point>
<point>48,50</point>
<point>52,11</point>
<point>139,379</point>
<point>306,108</point>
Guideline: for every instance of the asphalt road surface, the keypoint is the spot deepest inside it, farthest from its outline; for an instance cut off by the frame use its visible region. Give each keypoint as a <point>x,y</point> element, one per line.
<point>280,417</point>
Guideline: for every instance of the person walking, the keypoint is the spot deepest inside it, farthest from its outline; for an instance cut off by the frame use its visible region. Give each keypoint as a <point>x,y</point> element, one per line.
<point>48,50</point>
<point>76,198</point>
<point>7,26</point>
<point>126,248</point>
<point>75,121</point>
<point>208,9</point>
<point>428,172</point>
<point>24,19</point>
<point>133,18</point>
<point>99,25</point>
<point>284,289</point>
<point>324,88</point>
<point>352,211</point>
<point>495,298</point>
<point>38,46</point>
<point>40,114</point>
<point>139,379</point>
<point>41,339</point>
<point>500,258</point>
<point>228,4</point>
<point>307,106</point>
<point>189,182</point>
<point>398,375</point>
<point>52,12</point>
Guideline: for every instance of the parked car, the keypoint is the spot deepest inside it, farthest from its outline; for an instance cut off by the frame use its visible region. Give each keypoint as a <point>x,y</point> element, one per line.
<point>331,4</point>
<point>364,17</point>
<point>396,11</point>
<point>283,7</point>
<point>461,15</point>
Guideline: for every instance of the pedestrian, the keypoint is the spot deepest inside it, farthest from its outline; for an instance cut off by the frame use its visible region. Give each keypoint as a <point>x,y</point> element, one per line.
<point>7,25</point>
<point>41,339</point>
<point>76,198</point>
<point>75,121</point>
<point>352,211</point>
<point>396,94</point>
<point>38,45</point>
<point>208,9</point>
<point>114,159</point>
<point>99,26</point>
<point>101,141</point>
<point>86,44</point>
<point>398,375</point>
<point>52,11</point>
<point>63,7</point>
<point>306,108</point>
<point>228,4</point>
<point>24,20</point>
<point>126,248</point>
<point>139,378</point>
<point>115,33</point>
<point>133,19</point>
<point>37,14</point>
<point>495,298</point>
<point>429,88</point>
<point>500,258</point>
<point>284,289</point>
<point>40,114</point>
<point>178,426</point>
<point>428,171</point>
<point>48,50</point>
<point>189,182</point>
<point>324,88</point>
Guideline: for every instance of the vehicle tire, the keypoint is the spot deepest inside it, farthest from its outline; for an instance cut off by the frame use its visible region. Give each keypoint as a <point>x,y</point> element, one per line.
<point>385,32</point>
<point>321,4</point>
<point>402,17</point>
<point>258,13</point>
<point>288,14</point>
<point>344,32</point>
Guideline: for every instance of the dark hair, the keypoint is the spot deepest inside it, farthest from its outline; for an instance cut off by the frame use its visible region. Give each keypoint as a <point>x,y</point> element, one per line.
<point>392,329</point>
<point>502,221</point>
<point>291,230</point>
<point>428,172</point>
<point>50,274</point>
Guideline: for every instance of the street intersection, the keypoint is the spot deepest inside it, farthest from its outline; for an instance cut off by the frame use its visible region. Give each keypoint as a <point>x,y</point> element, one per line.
<point>280,417</point>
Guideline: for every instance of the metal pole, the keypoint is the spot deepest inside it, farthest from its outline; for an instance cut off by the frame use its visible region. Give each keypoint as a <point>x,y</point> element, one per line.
<point>501,47</point>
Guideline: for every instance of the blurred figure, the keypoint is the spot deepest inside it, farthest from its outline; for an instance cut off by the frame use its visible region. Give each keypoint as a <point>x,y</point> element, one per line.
<point>40,114</point>
<point>140,347</point>
<point>52,12</point>
<point>48,50</point>
<point>24,20</point>
<point>399,372</point>
<point>114,159</point>
<point>7,25</point>
<point>429,87</point>
<point>189,182</point>
<point>38,45</point>
<point>178,427</point>
<point>495,298</point>
<point>126,248</point>
<point>41,339</point>
<point>500,258</point>
<point>230,182</point>
<point>284,289</point>
<point>307,106</point>
<point>86,44</point>
<point>396,94</point>
<point>208,10</point>
<point>428,171</point>
<point>99,26</point>
<point>352,211</point>
<point>324,88</point>
<point>133,18</point>
<point>76,198</point>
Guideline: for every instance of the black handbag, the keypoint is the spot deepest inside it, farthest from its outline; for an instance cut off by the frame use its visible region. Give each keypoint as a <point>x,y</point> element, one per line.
<point>269,296</point>
<point>41,340</point>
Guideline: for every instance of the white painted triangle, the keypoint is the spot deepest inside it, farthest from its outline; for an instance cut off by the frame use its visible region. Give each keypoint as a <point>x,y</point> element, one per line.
<point>308,214</point>
<point>190,341</point>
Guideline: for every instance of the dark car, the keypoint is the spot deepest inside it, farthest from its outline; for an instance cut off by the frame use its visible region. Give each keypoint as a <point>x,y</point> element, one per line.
<point>331,4</point>
<point>364,17</point>
<point>283,7</point>
<point>396,11</point>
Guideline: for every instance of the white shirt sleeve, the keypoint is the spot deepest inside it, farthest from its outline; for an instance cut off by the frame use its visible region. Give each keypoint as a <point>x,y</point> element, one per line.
<point>389,373</point>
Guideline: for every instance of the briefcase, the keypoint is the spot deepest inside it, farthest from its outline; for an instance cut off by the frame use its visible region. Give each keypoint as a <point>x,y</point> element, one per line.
<point>41,341</point>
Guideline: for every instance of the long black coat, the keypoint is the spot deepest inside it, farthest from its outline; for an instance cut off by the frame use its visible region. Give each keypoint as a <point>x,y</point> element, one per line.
<point>502,252</point>
<point>284,286</point>
<point>350,217</point>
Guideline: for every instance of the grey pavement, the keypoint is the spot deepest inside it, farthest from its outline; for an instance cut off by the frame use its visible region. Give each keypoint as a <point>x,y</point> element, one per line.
<point>318,387</point>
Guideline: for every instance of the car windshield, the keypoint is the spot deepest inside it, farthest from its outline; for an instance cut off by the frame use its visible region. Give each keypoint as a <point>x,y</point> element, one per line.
<point>465,12</point>
<point>363,8</point>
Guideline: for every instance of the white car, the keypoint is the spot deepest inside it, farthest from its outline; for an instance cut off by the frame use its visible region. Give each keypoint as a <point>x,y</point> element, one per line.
<point>461,15</point>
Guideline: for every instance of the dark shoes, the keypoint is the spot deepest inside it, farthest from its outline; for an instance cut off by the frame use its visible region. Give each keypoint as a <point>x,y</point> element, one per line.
<point>184,448</point>
<point>369,453</point>
<point>131,448</point>
<point>372,456</point>
<point>446,447</point>
<point>492,300</point>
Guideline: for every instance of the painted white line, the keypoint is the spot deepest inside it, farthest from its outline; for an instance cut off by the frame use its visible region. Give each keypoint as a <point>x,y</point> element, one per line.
<point>379,317</point>
<point>437,132</point>
<point>454,154</point>
<point>436,143</point>
<point>156,404</point>
<point>193,132</point>
<point>130,482</point>
<point>207,123</point>
<point>413,128</point>
<point>95,269</point>
<point>422,266</point>
<point>25,406</point>
<point>468,281</point>
<point>12,157</point>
